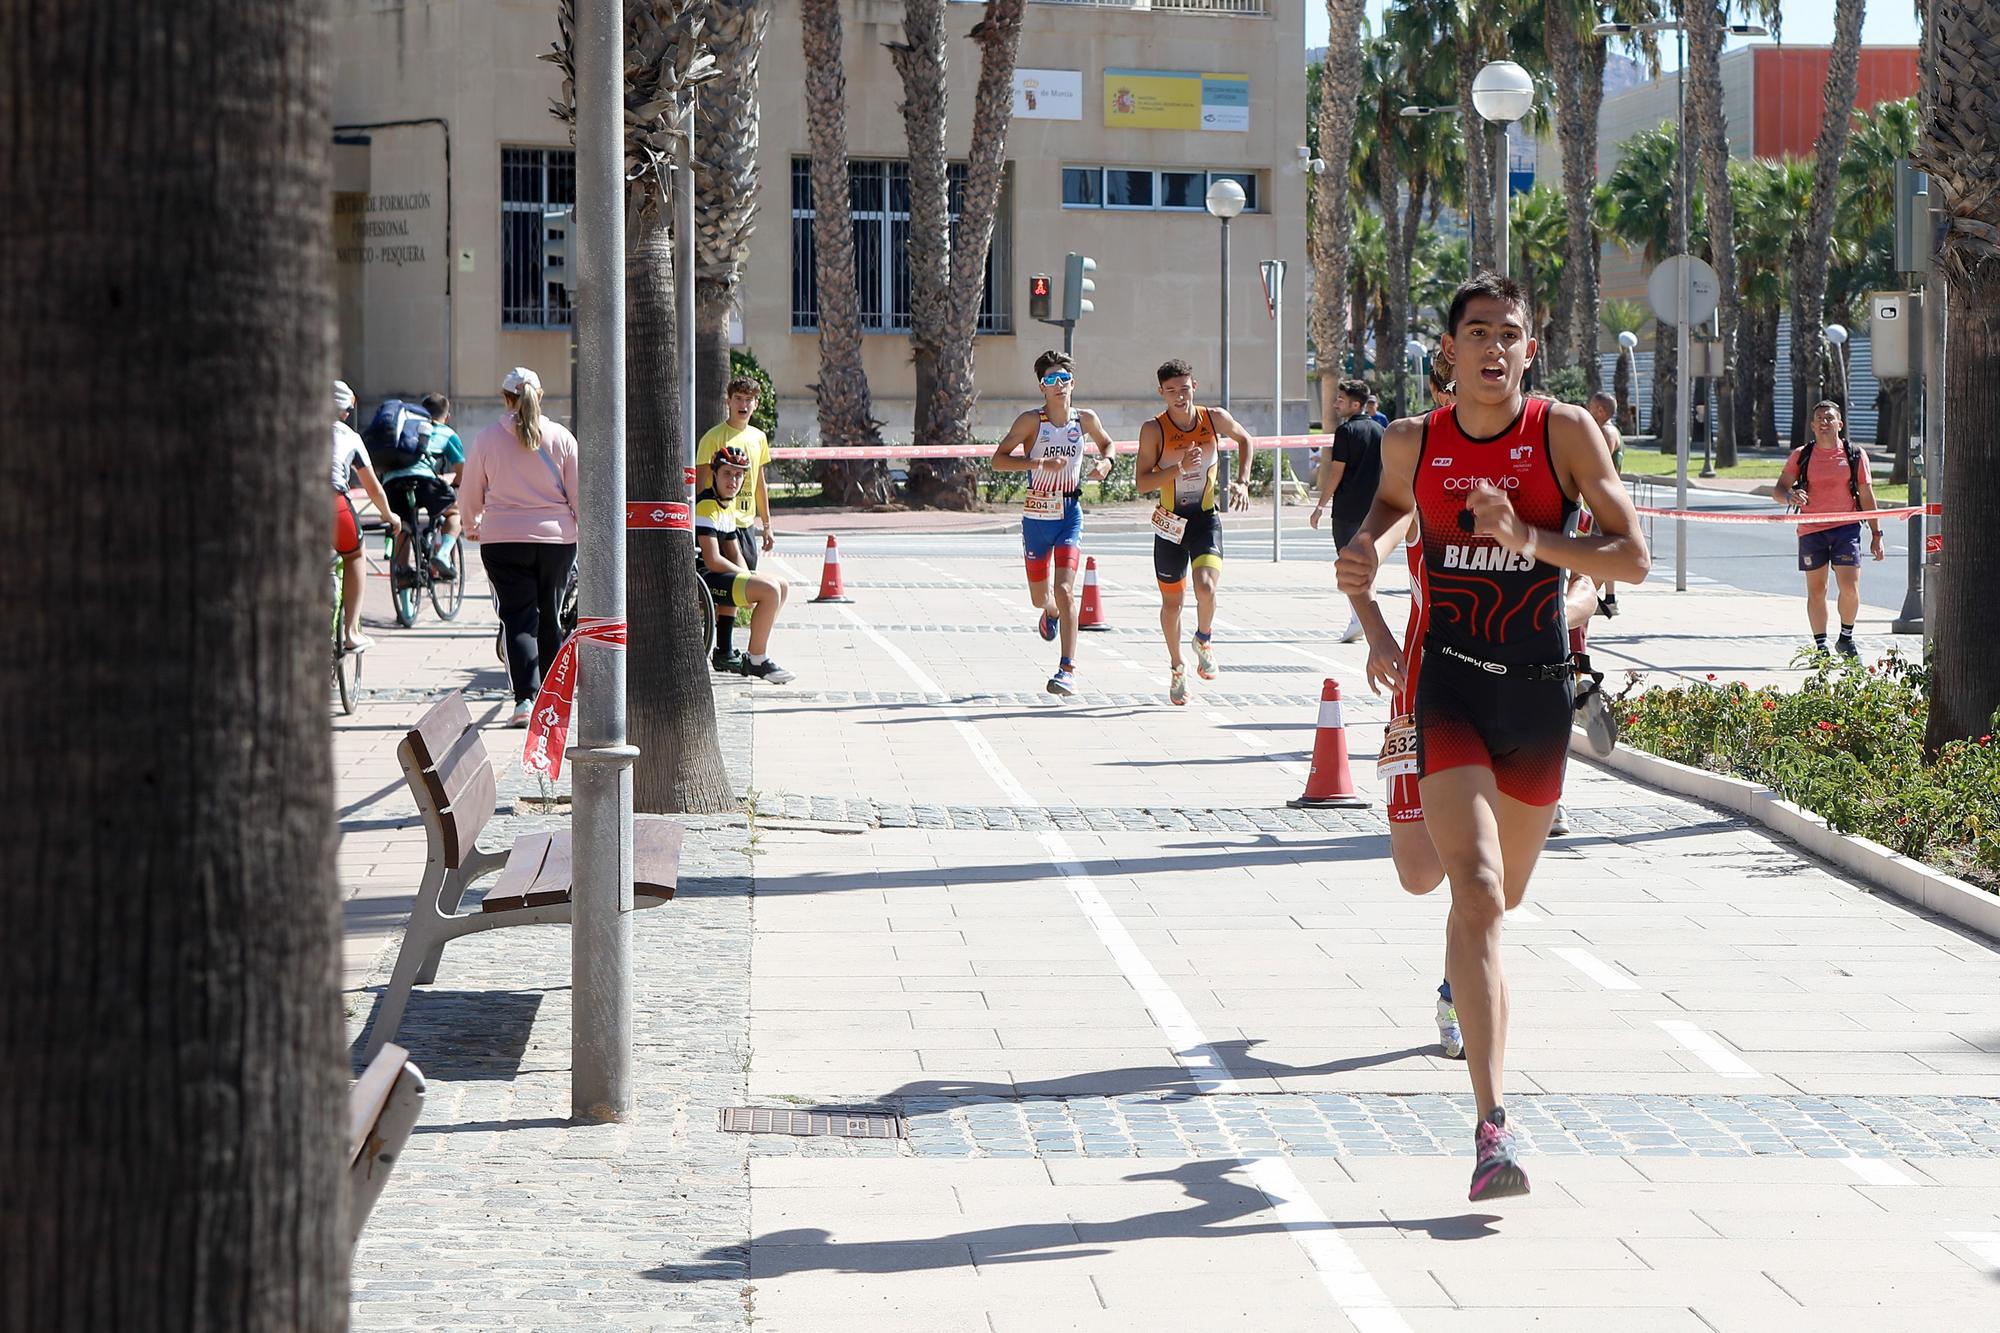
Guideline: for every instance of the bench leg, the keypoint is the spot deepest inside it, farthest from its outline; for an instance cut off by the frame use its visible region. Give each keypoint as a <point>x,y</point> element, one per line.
<point>450,890</point>
<point>395,998</point>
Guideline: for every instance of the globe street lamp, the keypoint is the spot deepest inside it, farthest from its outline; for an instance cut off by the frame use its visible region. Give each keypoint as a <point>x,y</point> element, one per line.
<point>1225,201</point>
<point>1836,334</point>
<point>1502,93</point>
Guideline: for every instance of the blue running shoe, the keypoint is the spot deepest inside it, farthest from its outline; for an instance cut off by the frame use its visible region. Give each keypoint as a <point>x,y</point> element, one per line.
<point>1497,1174</point>
<point>1047,626</point>
<point>1064,681</point>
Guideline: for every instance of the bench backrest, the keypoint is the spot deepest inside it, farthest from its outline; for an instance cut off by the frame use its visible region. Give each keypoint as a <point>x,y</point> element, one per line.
<point>451,774</point>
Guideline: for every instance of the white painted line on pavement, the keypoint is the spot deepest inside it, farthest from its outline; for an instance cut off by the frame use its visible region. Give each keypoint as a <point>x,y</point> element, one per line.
<point>1250,742</point>
<point>1712,1052</point>
<point>1599,971</point>
<point>1984,1246</point>
<point>1340,1270</point>
<point>1525,915</point>
<point>1876,1170</point>
<point>1327,662</point>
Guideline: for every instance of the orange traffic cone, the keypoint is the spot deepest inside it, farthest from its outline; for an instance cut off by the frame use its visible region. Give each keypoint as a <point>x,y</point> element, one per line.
<point>829,579</point>
<point>1330,782</point>
<point>1092,616</point>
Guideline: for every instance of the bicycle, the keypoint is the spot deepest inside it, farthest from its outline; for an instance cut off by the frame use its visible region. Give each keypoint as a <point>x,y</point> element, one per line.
<point>409,586</point>
<point>568,617</point>
<point>346,661</point>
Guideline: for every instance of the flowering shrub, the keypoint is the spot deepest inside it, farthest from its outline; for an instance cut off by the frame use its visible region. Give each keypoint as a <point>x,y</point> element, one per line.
<point>1847,745</point>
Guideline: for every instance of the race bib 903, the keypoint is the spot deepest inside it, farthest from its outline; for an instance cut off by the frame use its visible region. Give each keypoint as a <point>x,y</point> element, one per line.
<point>1169,525</point>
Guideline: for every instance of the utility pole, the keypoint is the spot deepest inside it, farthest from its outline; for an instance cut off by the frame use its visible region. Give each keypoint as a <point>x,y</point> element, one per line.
<point>601,841</point>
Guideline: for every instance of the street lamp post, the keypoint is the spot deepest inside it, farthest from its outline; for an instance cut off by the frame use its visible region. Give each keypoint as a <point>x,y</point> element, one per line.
<point>1628,347</point>
<point>1678,27</point>
<point>1225,201</point>
<point>1502,93</point>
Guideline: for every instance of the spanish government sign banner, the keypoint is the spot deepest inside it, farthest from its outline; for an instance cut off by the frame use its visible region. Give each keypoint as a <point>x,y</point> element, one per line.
<point>1048,94</point>
<point>1155,99</point>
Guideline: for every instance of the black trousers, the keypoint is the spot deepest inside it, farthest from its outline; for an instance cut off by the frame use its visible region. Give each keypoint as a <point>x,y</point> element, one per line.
<point>528,579</point>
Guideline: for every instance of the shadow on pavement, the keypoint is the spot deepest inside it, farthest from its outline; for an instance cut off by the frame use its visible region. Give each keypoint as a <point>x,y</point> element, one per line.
<point>461,1035</point>
<point>1221,1207</point>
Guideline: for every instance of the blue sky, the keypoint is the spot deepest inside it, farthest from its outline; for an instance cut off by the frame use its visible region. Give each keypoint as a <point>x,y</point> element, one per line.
<point>1806,23</point>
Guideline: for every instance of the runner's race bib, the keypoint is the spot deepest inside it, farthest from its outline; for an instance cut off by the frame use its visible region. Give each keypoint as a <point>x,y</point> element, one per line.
<point>1399,749</point>
<point>1042,504</point>
<point>1169,524</point>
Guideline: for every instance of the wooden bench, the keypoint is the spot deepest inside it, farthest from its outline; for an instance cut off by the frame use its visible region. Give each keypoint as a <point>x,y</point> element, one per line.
<point>451,776</point>
<point>382,1109</point>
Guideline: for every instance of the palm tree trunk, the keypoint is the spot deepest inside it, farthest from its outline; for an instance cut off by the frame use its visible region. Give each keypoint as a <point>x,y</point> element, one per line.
<point>846,413</point>
<point>1961,104</point>
<point>714,298</point>
<point>1666,353</point>
<point>1809,274</point>
<point>173,1102</point>
<point>920,62</point>
<point>1479,164</point>
<point>671,707</point>
<point>1398,396</point>
<point>1579,73</point>
<point>1766,362</point>
<point>1390,327</point>
<point>1705,33</point>
<point>1340,87</point>
<point>725,188</point>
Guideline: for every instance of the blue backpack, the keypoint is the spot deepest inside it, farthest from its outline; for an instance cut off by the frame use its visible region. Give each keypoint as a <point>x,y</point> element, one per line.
<point>396,435</point>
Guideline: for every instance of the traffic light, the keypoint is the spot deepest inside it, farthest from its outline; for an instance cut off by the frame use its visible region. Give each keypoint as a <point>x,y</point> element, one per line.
<point>1039,302</point>
<point>1077,287</point>
<point>555,247</point>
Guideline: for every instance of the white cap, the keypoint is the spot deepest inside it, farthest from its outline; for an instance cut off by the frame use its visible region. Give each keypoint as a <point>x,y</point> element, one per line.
<point>343,397</point>
<point>518,376</point>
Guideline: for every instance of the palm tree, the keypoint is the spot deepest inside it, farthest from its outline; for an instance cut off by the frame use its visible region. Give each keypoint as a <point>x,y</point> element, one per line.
<point>1773,198</point>
<point>725,189</point>
<point>1843,76</point>
<point>1538,234</point>
<point>1864,227</point>
<point>175,1072</point>
<point>1368,281</point>
<point>1642,195</point>
<point>1577,60</point>
<point>1616,317</point>
<point>1960,95</point>
<point>846,411</point>
<point>947,256</point>
<point>1339,101</point>
<point>671,716</point>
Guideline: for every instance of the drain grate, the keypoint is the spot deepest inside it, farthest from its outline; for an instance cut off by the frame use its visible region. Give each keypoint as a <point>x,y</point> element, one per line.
<point>816,1123</point>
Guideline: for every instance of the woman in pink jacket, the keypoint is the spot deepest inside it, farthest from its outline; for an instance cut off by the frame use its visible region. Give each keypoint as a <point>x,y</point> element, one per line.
<point>518,499</point>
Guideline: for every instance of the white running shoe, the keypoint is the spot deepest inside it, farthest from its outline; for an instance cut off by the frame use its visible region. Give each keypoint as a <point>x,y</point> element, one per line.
<point>1600,723</point>
<point>1177,686</point>
<point>1559,826</point>
<point>1353,631</point>
<point>1204,659</point>
<point>1449,1036</point>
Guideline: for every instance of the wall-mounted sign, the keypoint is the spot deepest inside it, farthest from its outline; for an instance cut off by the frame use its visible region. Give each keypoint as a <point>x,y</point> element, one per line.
<point>1048,94</point>
<point>1158,99</point>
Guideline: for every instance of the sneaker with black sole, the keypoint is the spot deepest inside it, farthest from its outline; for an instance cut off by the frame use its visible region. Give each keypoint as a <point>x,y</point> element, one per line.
<point>1497,1173</point>
<point>1845,647</point>
<point>729,662</point>
<point>767,670</point>
<point>1600,722</point>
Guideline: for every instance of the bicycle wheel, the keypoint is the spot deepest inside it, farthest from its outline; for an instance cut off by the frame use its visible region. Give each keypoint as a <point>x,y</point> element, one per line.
<point>407,585</point>
<point>707,614</point>
<point>448,595</point>
<point>346,665</point>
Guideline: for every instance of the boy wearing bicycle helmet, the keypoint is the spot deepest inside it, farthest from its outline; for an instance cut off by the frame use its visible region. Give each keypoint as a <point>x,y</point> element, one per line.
<point>720,560</point>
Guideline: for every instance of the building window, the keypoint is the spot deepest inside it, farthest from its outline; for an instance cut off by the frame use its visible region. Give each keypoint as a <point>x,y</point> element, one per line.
<point>1186,190</point>
<point>1083,187</point>
<point>879,196</point>
<point>1125,187</point>
<point>1139,189</point>
<point>532,181</point>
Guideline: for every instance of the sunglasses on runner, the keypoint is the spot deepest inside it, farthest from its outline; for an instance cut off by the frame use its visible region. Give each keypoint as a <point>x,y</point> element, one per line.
<point>1055,377</point>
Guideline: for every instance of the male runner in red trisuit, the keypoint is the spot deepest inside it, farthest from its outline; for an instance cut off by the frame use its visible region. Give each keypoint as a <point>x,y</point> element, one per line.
<point>1493,482</point>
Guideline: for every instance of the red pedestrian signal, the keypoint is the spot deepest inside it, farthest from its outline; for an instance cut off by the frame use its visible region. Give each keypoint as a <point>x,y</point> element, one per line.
<point>1040,295</point>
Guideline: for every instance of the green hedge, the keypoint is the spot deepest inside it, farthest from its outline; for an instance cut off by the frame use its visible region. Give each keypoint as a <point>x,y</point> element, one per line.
<point>1847,745</point>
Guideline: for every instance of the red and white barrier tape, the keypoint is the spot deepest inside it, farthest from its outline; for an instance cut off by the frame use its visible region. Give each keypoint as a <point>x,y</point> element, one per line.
<point>673,514</point>
<point>887,451</point>
<point>548,725</point>
<point>1724,516</point>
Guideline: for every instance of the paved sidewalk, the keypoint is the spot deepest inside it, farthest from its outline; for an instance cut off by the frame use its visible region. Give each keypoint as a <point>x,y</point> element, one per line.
<point>1162,1047</point>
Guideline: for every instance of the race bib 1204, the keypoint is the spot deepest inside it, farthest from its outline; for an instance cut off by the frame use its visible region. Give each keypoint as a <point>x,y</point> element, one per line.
<point>1042,504</point>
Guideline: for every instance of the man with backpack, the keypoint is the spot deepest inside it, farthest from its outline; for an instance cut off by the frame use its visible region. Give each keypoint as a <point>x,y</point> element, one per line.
<point>1828,475</point>
<point>425,483</point>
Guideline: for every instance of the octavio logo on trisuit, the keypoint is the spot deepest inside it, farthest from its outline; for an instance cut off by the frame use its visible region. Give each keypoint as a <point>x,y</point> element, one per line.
<point>1468,483</point>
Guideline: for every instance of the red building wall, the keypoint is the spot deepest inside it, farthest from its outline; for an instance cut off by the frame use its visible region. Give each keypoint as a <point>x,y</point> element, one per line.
<point>1790,88</point>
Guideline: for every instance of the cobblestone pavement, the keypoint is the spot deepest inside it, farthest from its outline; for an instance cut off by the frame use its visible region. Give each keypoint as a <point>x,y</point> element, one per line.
<point>1608,821</point>
<point>1258,1125</point>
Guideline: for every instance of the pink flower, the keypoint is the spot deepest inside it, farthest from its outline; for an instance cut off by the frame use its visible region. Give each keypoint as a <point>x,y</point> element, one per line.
<point>1770,705</point>
<point>1828,726</point>
<point>1711,675</point>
